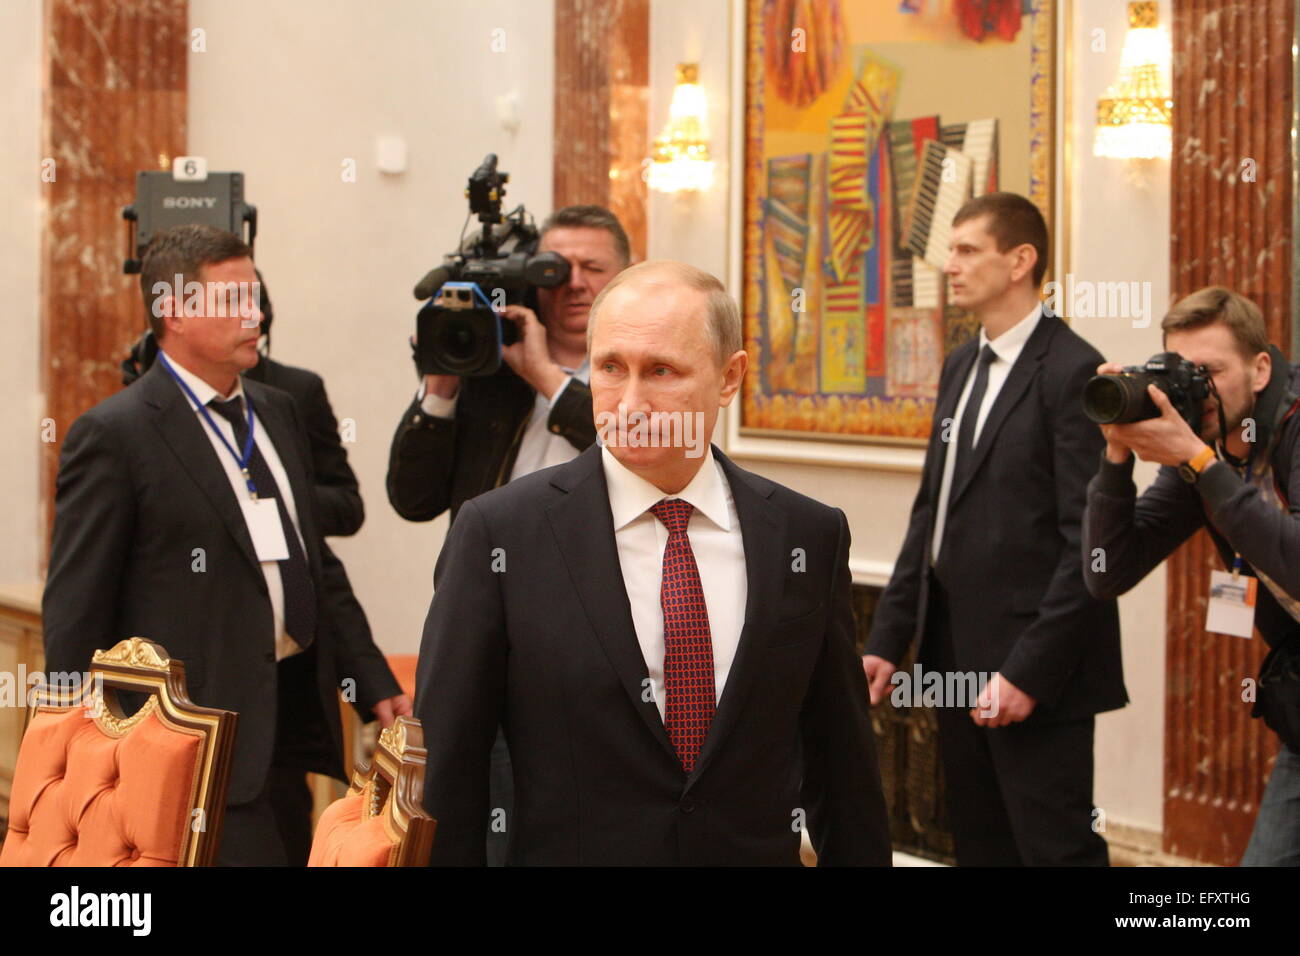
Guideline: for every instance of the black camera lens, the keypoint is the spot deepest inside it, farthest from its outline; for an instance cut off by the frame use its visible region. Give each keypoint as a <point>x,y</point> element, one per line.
<point>1118,399</point>
<point>1103,399</point>
<point>456,341</point>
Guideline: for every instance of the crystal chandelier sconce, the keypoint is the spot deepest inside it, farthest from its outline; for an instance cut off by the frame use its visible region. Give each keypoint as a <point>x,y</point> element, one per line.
<point>680,160</point>
<point>1135,118</point>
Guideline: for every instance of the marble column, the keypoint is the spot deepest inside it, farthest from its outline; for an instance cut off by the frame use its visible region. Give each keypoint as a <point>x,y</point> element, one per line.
<point>602,76</point>
<point>114,104</point>
<point>1231,225</point>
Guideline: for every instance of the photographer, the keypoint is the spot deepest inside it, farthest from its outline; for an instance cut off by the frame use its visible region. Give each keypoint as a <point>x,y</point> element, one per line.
<point>1237,480</point>
<point>464,436</point>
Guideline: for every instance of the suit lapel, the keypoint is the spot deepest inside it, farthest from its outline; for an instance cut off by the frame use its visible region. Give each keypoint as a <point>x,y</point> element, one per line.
<point>280,429</point>
<point>945,411</point>
<point>584,533</point>
<point>1013,389</point>
<point>762,529</point>
<point>182,430</point>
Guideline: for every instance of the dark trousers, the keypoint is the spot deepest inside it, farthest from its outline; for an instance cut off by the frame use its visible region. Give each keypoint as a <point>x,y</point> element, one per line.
<point>275,828</point>
<point>501,794</point>
<point>1019,795</point>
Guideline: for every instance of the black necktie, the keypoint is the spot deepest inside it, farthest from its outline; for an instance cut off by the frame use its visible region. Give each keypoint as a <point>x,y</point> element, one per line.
<point>295,576</point>
<point>971,414</point>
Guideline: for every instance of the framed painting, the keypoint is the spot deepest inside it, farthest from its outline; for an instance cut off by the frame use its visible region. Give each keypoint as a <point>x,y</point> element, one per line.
<point>866,124</point>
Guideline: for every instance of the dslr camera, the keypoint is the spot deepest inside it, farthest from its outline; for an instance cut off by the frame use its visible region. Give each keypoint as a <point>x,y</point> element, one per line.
<point>1121,398</point>
<point>459,330</point>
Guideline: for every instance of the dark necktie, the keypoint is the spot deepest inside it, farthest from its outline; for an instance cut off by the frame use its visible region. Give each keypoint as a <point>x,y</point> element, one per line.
<point>688,643</point>
<point>295,576</point>
<point>970,415</point>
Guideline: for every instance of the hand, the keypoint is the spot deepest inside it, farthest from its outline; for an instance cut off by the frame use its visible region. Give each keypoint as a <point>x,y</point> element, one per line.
<point>530,357</point>
<point>878,671</point>
<point>1002,703</point>
<point>386,711</point>
<point>1167,440</point>
<point>445,386</point>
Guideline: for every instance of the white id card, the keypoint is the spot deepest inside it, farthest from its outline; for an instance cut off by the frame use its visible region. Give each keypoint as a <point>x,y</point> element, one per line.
<point>263,519</point>
<point>1231,609</point>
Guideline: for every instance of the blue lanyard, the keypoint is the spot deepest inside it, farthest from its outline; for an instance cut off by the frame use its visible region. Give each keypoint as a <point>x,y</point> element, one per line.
<point>241,460</point>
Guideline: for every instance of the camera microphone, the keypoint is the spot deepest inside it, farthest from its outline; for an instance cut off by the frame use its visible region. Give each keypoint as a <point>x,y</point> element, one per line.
<point>432,282</point>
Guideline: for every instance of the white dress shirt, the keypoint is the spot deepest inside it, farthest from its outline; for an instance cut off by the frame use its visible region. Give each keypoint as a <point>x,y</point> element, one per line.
<point>539,448</point>
<point>1006,347</point>
<point>714,533</point>
<point>284,644</point>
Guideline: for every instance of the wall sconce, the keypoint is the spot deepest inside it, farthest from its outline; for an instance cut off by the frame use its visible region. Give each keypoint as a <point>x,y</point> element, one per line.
<point>680,160</point>
<point>1135,119</point>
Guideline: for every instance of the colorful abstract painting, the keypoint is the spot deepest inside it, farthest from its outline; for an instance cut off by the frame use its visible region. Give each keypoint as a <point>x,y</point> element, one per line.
<point>867,124</point>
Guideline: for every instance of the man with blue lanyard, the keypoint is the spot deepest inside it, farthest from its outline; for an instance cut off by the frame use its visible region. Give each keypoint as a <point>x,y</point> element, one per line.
<point>185,513</point>
<point>1238,476</point>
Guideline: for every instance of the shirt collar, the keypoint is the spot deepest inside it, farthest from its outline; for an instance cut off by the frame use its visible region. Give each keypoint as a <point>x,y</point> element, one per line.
<point>631,496</point>
<point>582,373</point>
<point>201,389</point>
<point>1008,345</point>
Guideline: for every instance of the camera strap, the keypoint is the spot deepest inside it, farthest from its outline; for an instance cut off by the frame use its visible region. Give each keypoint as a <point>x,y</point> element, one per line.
<point>1231,604</point>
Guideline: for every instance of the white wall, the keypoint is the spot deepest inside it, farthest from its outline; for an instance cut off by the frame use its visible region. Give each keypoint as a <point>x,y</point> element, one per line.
<point>1120,231</point>
<point>285,92</point>
<point>22,405</point>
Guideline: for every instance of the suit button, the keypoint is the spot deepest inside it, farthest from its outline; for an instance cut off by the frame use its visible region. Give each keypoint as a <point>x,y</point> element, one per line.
<point>555,429</point>
<point>688,806</point>
<point>270,657</point>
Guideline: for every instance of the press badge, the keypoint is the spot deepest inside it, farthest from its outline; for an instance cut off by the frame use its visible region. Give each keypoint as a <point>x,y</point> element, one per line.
<point>263,519</point>
<point>1231,608</point>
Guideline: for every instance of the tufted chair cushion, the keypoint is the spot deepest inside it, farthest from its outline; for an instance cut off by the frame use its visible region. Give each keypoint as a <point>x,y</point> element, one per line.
<point>343,838</point>
<point>83,798</point>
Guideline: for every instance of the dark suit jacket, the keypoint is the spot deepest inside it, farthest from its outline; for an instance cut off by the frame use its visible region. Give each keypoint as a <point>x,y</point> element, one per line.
<point>338,496</point>
<point>1010,563</point>
<point>547,648</point>
<point>139,489</point>
<point>436,464</point>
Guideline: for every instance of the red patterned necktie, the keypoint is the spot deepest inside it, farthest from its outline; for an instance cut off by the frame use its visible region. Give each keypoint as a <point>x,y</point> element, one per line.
<point>688,644</point>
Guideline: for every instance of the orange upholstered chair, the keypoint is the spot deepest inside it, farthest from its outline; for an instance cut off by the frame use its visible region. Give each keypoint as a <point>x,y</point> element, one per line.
<point>403,668</point>
<point>380,820</point>
<point>94,787</point>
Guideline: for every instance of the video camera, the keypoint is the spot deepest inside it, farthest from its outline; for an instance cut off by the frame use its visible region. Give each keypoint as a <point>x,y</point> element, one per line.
<point>1121,398</point>
<point>188,194</point>
<point>460,330</point>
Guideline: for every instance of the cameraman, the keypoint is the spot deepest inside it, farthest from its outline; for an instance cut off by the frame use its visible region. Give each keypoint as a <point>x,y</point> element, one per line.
<point>464,436</point>
<point>1236,480</point>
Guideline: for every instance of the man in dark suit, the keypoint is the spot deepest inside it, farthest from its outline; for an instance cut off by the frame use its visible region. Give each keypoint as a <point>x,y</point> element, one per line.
<point>338,503</point>
<point>665,637</point>
<point>989,576</point>
<point>461,436</point>
<point>185,513</point>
